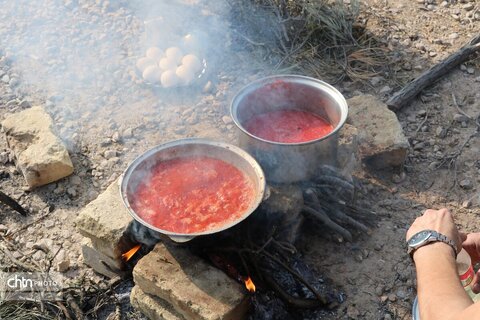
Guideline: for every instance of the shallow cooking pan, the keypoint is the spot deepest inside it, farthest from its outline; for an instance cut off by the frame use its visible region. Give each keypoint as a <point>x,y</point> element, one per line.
<point>140,169</point>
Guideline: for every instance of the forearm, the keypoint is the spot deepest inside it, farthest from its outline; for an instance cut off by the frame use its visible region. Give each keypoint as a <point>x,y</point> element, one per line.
<point>440,293</point>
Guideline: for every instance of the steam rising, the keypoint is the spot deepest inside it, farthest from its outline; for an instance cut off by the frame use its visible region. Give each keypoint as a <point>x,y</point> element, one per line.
<point>81,55</point>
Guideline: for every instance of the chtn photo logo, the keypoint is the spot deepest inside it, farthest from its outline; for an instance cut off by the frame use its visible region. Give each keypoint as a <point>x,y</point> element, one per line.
<point>30,286</point>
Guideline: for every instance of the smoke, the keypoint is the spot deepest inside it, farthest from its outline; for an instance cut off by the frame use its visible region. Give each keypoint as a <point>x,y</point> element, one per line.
<point>81,55</point>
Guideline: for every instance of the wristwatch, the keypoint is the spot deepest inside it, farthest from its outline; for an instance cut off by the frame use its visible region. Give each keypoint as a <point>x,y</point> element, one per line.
<point>425,237</point>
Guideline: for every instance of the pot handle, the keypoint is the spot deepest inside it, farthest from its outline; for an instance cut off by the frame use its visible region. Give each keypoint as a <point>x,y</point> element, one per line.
<point>180,239</point>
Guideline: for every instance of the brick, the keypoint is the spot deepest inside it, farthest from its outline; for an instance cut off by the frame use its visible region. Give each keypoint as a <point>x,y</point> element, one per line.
<point>194,288</point>
<point>153,307</point>
<point>382,143</point>
<point>99,262</point>
<point>104,221</point>
<point>40,155</point>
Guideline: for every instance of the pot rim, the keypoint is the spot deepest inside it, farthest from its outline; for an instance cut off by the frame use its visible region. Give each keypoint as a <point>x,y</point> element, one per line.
<point>182,237</point>
<point>292,78</point>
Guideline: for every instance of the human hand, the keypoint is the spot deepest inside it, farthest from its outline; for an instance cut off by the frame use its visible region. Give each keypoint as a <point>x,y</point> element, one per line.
<point>472,246</point>
<point>440,221</point>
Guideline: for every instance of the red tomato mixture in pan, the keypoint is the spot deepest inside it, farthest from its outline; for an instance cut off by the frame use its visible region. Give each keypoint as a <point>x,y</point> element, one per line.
<point>288,126</point>
<point>194,194</point>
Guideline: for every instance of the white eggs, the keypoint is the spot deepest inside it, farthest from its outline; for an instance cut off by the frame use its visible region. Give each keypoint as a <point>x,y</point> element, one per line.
<point>167,64</point>
<point>185,74</point>
<point>175,54</point>
<point>192,62</point>
<point>144,62</point>
<point>152,74</point>
<point>169,79</point>
<point>154,53</point>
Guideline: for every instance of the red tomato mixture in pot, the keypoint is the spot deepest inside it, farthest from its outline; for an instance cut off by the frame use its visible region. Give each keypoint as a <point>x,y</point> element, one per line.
<point>194,194</point>
<point>288,126</point>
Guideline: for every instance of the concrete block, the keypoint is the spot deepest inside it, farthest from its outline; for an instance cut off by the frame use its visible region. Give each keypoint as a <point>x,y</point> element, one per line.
<point>104,221</point>
<point>40,155</point>
<point>153,307</point>
<point>382,143</point>
<point>194,288</point>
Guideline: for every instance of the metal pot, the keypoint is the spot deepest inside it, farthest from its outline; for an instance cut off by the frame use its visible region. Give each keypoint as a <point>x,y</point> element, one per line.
<point>141,167</point>
<point>290,162</point>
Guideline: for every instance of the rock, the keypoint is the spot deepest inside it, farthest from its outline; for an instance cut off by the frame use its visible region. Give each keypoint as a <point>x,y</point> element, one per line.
<point>127,133</point>
<point>441,132</point>
<point>208,88</point>
<point>3,228</point>
<point>4,158</point>
<point>101,263</point>
<point>392,297</point>
<point>385,89</point>
<point>49,224</point>
<point>41,155</point>
<point>104,221</point>
<point>6,79</point>
<point>76,180</point>
<point>467,204</point>
<point>470,70</point>
<point>71,191</point>
<point>347,148</point>
<point>382,143</point>
<point>458,117</point>
<point>153,307</point>
<point>352,312</point>
<point>387,316</point>
<point>193,287</point>
<point>468,6</point>
<point>227,119</point>
<point>466,184</point>
<point>63,265</point>
<point>110,154</point>
<point>453,36</point>
<point>376,80</point>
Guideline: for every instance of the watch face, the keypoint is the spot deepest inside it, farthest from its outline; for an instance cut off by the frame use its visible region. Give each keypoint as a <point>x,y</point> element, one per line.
<point>419,238</point>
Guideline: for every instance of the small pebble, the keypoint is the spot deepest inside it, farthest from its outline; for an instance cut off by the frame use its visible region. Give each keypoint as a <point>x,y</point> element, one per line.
<point>466,184</point>
<point>458,117</point>
<point>392,297</point>
<point>467,204</point>
<point>468,6</point>
<point>110,154</point>
<point>227,119</point>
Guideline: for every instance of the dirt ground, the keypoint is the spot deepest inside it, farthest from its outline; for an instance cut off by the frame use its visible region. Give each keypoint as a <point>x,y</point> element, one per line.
<point>374,271</point>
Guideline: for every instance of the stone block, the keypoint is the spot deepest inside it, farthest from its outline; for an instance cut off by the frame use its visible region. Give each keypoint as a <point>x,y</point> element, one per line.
<point>40,155</point>
<point>382,143</point>
<point>194,288</point>
<point>153,307</point>
<point>105,221</point>
<point>99,262</point>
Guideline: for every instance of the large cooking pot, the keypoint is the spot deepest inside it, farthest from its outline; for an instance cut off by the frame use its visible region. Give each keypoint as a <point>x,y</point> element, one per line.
<point>290,162</point>
<point>141,167</point>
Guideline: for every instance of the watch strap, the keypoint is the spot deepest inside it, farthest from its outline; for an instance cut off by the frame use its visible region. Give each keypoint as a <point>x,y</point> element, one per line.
<point>434,237</point>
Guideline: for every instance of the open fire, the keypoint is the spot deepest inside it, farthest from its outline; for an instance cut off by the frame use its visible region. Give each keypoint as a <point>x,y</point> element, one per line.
<point>130,253</point>
<point>250,285</point>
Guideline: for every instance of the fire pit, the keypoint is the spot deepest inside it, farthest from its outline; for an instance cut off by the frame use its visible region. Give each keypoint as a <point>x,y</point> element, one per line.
<point>287,162</point>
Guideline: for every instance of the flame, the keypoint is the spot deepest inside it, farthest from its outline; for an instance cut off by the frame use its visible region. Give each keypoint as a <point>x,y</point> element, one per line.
<point>250,285</point>
<point>130,253</point>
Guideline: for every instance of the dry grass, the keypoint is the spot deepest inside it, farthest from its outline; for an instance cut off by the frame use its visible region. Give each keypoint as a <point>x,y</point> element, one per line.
<point>23,311</point>
<point>322,38</point>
